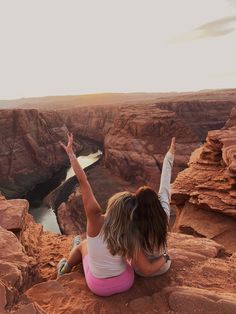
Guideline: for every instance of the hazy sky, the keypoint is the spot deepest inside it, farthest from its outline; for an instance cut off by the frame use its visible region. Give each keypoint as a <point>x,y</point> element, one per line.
<point>55,47</point>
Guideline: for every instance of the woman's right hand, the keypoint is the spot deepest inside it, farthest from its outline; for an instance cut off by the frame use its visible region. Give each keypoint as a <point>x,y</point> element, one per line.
<point>172,146</point>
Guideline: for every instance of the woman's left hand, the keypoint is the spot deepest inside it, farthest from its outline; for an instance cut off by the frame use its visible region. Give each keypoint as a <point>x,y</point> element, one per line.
<point>69,148</point>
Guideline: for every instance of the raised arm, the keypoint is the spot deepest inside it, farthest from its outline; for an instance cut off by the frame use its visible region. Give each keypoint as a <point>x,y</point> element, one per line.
<point>164,190</point>
<point>91,206</point>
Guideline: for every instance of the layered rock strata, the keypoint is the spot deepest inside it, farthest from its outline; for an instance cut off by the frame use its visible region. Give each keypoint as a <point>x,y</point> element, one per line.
<point>136,145</point>
<point>135,138</point>
<point>135,135</point>
<point>205,192</point>
<point>30,152</point>
<point>201,115</point>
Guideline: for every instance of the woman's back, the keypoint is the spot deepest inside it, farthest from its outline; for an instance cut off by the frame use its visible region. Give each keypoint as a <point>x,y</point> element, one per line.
<point>102,263</point>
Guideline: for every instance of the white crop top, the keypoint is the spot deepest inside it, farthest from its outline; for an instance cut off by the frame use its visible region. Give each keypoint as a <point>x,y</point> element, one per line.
<point>101,263</point>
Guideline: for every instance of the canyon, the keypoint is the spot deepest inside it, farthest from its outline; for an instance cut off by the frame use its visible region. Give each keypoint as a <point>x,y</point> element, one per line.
<point>134,140</point>
<point>134,137</point>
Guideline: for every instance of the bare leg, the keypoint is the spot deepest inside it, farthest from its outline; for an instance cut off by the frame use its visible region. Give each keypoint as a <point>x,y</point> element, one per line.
<point>75,257</point>
<point>77,254</point>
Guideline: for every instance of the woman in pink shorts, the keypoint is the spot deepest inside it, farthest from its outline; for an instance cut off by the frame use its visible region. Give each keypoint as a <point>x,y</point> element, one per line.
<point>106,268</point>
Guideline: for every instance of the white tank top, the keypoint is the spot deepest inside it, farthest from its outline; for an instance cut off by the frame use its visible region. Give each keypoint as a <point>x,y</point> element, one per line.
<point>101,263</point>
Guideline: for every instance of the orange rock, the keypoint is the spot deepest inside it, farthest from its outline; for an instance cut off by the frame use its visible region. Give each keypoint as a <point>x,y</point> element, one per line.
<point>198,264</point>
<point>205,192</point>
<point>30,150</point>
<point>196,269</point>
<point>12,214</point>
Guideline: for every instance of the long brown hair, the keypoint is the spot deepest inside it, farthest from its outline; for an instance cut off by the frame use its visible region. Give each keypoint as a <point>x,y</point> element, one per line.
<point>150,219</point>
<point>118,228</point>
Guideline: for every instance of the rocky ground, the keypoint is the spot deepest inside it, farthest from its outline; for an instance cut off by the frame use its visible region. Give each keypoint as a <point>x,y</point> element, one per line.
<point>202,276</point>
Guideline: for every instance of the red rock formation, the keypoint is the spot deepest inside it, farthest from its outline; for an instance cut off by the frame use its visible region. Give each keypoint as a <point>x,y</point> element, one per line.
<point>197,276</point>
<point>135,142</point>
<point>205,192</point>
<point>30,152</point>
<point>136,145</point>
<point>201,115</point>
<point>202,276</point>
<point>198,279</point>
<point>18,264</point>
<point>136,137</point>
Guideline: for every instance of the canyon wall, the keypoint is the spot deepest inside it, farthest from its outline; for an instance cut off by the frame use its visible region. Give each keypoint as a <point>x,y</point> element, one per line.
<point>30,152</point>
<point>201,115</point>
<point>134,137</point>
<point>205,193</point>
<point>136,145</point>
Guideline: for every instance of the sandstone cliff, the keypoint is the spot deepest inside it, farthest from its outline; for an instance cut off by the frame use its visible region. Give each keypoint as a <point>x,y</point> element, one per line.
<point>29,152</point>
<point>205,192</point>
<point>136,144</point>
<point>201,115</point>
<point>134,139</point>
<point>134,134</point>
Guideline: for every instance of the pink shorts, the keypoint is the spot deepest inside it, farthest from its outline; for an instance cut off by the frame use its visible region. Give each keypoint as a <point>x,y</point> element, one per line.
<point>107,286</point>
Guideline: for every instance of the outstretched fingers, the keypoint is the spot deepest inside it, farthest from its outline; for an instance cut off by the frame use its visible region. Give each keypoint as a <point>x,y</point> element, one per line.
<point>69,139</point>
<point>68,148</point>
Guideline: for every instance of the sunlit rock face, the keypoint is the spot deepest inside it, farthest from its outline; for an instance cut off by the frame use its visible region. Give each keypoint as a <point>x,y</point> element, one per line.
<point>93,122</point>
<point>136,145</point>
<point>30,152</point>
<point>136,137</point>
<point>205,192</point>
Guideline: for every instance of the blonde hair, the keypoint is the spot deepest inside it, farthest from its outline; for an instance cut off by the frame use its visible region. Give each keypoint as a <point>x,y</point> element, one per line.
<point>118,228</point>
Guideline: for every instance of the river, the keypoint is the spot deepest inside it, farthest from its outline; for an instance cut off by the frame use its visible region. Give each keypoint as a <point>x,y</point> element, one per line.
<point>45,215</point>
